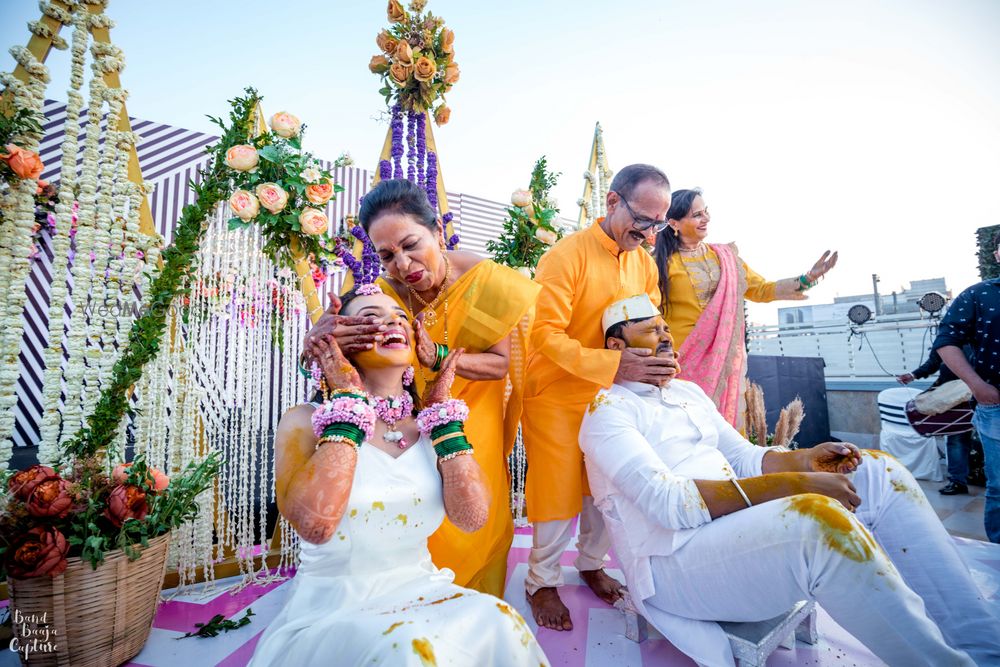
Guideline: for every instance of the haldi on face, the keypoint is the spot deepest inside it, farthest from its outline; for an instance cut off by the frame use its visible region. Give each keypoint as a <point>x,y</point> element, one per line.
<point>394,347</point>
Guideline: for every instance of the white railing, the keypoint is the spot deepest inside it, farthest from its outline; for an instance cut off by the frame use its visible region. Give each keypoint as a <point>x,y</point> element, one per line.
<point>872,352</point>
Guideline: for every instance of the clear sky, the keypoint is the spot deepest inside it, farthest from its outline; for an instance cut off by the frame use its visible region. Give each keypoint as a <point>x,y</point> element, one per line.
<point>870,126</point>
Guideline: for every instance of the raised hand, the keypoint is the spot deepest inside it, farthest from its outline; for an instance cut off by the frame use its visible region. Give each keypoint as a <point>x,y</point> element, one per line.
<point>426,349</point>
<point>353,334</point>
<point>826,262</point>
<point>337,370</point>
<point>440,390</point>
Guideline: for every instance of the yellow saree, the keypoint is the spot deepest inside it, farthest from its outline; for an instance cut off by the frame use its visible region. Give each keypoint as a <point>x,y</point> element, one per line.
<point>485,304</point>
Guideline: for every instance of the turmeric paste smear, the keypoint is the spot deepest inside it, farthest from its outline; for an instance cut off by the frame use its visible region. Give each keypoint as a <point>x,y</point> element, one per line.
<point>422,647</point>
<point>840,533</point>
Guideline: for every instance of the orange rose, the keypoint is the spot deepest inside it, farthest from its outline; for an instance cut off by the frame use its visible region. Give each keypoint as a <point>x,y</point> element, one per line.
<point>378,64</point>
<point>25,481</point>
<point>285,124</point>
<point>125,502</point>
<point>404,54</point>
<point>50,499</point>
<point>400,73</point>
<point>155,480</point>
<point>25,164</point>
<point>313,221</point>
<point>447,40</point>
<point>38,552</point>
<point>451,73</point>
<point>320,193</point>
<point>386,42</point>
<point>395,11</point>
<point>424,69</point>
<point>442,115</point>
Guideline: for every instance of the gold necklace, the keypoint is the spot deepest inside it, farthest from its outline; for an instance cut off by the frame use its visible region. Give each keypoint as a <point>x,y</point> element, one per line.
<point>430,309</point>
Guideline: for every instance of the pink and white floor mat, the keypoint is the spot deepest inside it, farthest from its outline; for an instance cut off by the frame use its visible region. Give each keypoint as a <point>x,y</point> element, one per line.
<point>597,639</point>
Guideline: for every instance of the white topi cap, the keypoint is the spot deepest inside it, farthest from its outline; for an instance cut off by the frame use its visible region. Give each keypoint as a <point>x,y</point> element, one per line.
<point>637,307</point>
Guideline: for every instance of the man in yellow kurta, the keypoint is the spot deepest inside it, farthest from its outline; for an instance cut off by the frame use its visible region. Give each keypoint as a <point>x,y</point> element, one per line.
<point>580,276</point>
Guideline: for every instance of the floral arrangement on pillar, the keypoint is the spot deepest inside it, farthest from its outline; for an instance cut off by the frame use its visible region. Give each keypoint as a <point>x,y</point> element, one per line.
<point>283,190</point>
<point>417,67</point>
<point>529,229</point>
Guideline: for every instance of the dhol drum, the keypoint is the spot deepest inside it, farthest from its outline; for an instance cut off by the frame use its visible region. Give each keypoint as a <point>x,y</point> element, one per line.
<point>942,410</point>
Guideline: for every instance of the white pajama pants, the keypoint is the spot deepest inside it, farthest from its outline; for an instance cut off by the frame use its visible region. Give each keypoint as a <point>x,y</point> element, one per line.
<point>756,563</point>
<point>551,538</point>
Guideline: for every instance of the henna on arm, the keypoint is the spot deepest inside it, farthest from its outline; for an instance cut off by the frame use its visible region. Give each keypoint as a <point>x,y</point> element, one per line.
<point>466,497</point>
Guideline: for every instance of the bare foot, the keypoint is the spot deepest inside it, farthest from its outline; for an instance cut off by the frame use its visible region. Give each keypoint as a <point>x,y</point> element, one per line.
<point>549,610</point>
<point>604,585</point>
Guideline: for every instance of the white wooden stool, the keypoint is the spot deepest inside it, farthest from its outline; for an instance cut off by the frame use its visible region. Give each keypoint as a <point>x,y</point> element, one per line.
<point>752,642</point>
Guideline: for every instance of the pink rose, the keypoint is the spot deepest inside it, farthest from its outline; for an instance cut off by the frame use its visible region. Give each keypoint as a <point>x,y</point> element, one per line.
<point>272,197</point>
<point>313,221</point>
<point>51,499</point>
<point>242,157</point>
<point>244,205</point>
<point>521,198</point>
<point>39,551</point>
<point>546,236</point>
<point>285,124</point>
<point>320,193</point>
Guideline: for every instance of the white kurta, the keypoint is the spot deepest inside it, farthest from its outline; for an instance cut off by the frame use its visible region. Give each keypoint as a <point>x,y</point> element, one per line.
<point>644,447</point>
<point>372,596</point>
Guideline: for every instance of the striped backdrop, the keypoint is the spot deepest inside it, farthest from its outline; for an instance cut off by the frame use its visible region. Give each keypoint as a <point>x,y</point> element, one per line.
<point>170,157</point>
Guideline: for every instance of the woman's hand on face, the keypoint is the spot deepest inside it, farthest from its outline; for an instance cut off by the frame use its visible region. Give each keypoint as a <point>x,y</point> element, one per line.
<point>337,370</point>
<point>426,349</point>
<point>440,390</point>
<point>826,262</point>
<point>353,334</point>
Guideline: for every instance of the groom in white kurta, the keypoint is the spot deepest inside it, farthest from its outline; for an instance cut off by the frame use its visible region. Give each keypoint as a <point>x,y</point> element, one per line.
<point>710,527</point>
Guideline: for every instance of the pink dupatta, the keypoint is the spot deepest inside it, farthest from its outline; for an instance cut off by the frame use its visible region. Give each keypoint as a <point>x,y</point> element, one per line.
<point>713,355</point>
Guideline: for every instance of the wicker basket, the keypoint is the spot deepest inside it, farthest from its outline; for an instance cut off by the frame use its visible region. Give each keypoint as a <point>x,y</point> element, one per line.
<point>97,617</point>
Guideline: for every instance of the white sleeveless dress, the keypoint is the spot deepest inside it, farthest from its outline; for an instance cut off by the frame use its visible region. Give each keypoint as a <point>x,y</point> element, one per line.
<point>372,596</point>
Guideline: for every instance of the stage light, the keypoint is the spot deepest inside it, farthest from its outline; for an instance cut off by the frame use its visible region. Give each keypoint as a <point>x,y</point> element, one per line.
<point>932,302</point>
<point>859,314</point>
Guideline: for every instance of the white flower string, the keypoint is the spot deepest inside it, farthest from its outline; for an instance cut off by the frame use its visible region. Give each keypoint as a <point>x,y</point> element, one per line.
<point>61,240</point>
<point>18,210</point>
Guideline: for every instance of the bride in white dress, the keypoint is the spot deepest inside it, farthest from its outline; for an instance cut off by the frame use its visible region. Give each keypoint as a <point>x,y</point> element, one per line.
<point>366,592</point>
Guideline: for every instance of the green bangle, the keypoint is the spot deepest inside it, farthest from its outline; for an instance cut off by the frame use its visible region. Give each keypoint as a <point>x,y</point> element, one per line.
<point>345,430</point>
<point>804,283</point>
<point>457,444</point>
<point>440,352</point>
<point>446,429</point>
<point>302,367</point>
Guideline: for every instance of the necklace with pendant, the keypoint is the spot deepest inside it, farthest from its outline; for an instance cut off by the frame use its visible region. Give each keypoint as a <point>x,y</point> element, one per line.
<point>430,308</point>
<point>390,410</point>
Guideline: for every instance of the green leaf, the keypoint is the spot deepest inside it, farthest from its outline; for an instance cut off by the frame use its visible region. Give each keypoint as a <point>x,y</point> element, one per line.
<point>237,223</point>
<point>295,142</point>
<point>270,153</point>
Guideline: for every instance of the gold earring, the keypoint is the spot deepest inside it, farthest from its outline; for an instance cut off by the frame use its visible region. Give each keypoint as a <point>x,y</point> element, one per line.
<point>676,233</point>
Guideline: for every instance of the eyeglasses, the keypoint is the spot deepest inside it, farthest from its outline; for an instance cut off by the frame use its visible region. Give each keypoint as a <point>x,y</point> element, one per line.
<point>642,224</point>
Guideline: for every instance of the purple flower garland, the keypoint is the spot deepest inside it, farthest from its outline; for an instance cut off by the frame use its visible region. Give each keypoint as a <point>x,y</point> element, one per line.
<point>397,141</point>
<point>411,153</point>
<point>421,148</point>
<point>384,170</point>
<point>431,185</point>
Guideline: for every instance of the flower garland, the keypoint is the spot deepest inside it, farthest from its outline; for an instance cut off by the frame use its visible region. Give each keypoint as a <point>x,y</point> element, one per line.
<point>529,229</point>
<point>416,61</point>
<point>17,211</point>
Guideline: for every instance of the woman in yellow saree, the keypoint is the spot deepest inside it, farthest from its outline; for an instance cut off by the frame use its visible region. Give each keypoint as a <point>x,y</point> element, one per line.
<point>458,300</point>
